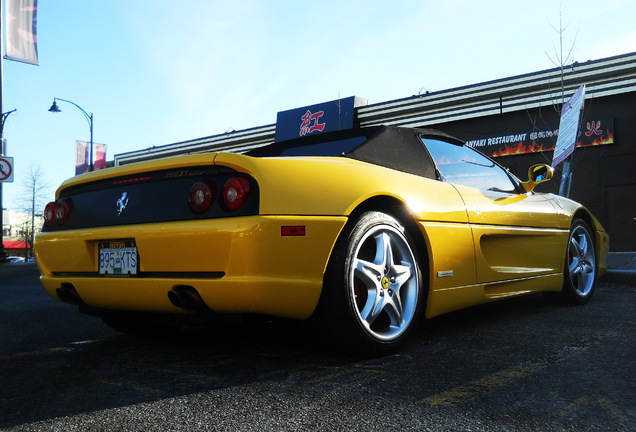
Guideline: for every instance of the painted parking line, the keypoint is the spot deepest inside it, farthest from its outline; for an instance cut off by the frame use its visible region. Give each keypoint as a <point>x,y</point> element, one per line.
<point>507,376</point>
<point>608,405</point>
<point>483,385</point>
<point>25,354</point>
<point>45,351</point>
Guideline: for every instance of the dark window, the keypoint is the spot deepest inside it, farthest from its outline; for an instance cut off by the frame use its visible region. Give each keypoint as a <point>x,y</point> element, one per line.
<point>463,165</point>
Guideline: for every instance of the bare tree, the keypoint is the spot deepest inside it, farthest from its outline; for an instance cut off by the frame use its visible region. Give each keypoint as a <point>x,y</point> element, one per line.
<point>34,196</point>
<point>560,59</point>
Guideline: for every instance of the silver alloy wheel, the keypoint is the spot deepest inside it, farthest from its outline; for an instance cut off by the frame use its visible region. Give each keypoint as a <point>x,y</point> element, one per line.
<point>384,282</point>
<point>581,261</point>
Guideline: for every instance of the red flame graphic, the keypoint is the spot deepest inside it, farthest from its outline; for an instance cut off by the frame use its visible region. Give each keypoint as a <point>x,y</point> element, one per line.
<point>521,148</point>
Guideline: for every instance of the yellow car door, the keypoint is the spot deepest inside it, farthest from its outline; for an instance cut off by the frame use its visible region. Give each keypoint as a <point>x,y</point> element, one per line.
<point>515,233</point>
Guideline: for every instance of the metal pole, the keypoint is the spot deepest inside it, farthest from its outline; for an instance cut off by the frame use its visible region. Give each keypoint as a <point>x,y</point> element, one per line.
<point>91,168</point>
<point>566,179</point>
<point>89,119</point>
<point>3,254</point>
<point>32,236</point>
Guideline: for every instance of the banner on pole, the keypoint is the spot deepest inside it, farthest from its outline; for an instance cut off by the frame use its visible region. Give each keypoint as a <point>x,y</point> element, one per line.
<point>100,156</point>
<point>569,126</point>
<point>21,31</point>
<point>81,157</point>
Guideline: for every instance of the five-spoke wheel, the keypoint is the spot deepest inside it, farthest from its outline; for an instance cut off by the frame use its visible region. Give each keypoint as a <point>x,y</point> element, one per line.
<point>374,290</point>
<point>384,282</point>
<point>580,265</point>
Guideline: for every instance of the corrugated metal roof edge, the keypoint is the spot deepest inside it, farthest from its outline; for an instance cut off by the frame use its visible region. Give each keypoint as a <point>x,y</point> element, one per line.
<point>531,87</point>
<point>624,65</point>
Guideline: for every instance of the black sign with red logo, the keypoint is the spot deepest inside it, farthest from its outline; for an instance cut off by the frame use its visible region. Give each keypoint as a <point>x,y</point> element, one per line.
<point>325,117</point>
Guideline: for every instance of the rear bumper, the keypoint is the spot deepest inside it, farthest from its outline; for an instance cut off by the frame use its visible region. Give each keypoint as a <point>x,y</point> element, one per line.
<point>241,264</point>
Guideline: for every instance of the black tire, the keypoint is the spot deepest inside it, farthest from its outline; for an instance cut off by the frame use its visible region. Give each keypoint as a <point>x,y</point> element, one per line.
<point>580,265</point>
<point>372,296</point>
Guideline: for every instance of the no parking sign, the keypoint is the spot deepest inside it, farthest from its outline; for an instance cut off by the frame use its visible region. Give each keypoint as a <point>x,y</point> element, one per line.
<point>6,169</point>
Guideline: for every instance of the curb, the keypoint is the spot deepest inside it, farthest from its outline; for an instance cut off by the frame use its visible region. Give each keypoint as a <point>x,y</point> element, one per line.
<point>621,268</point>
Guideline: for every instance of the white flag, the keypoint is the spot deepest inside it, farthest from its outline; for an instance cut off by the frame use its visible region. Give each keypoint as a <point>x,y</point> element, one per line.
<point>22,36</point>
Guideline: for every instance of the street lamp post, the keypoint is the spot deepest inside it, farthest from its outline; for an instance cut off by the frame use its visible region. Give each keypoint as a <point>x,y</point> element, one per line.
<point>3,150</point>
<point>89,118</point>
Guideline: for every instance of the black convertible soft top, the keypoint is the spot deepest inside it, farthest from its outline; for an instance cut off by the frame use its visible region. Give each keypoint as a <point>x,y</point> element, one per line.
<point>393,147</point>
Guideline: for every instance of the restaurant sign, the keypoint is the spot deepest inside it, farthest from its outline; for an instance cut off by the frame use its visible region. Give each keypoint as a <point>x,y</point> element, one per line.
<point>592,133</point>
<point>324,117</point>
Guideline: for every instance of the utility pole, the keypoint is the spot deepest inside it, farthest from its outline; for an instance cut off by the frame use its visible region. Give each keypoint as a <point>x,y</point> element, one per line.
<point>30,56</point>
<point>3,254</point>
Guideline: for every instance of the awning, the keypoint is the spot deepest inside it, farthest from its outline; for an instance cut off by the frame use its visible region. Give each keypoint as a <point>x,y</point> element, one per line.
<point>15,244</point>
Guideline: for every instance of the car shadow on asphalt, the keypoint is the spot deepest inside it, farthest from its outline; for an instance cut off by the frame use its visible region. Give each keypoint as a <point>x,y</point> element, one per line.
<point>119,370</point>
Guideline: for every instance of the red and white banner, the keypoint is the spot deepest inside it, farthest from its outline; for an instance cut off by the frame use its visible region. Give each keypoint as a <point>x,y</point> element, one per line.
<point>100,157</point>
<point>82,157</point>
<point>21,33</point>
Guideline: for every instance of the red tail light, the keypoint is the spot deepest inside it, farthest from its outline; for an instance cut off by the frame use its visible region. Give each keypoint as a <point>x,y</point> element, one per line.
<point>59,211</point>
<point>235,192</point>
<point>49,214</point>
<point>63,209</point>
<point>202,195</point>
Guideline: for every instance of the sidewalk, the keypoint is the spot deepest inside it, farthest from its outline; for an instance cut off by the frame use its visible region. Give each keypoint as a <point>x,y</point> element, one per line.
<point>621,268</point>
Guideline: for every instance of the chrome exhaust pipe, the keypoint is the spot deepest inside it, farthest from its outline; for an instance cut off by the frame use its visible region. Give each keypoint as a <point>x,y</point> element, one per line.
<point>188,298</point>
<point>68,294</point>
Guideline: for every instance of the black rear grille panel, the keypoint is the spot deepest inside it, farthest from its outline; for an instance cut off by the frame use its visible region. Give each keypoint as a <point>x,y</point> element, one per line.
<point>160,196</point>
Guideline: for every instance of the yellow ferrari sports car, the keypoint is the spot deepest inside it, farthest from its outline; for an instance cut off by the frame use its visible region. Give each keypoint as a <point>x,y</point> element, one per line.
<point>367,230</point>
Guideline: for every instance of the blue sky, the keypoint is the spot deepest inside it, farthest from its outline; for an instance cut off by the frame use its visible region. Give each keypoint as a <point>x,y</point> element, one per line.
<point>157,72</point>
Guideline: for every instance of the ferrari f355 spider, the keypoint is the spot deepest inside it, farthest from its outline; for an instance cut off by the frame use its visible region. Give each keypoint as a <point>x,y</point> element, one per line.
<point>366,230</point>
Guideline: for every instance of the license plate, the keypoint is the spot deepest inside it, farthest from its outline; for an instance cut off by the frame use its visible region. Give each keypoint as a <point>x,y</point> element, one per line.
<point>118,258</point>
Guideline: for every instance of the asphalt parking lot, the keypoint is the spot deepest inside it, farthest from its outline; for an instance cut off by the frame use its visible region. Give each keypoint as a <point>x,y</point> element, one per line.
<point>519,365</point>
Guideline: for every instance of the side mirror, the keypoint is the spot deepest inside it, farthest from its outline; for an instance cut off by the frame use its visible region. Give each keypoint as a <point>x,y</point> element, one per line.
<point>537,174</point>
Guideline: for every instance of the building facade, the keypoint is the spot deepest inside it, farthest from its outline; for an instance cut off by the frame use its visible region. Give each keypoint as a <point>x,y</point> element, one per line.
<point>515,120</point>
<point>17,232</point>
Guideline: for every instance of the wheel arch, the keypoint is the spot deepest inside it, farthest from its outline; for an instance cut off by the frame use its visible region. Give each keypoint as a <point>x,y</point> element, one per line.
<point>399,210</point>
<point>601,239</point>
<point>332,310</point>
<point>586,216</point>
